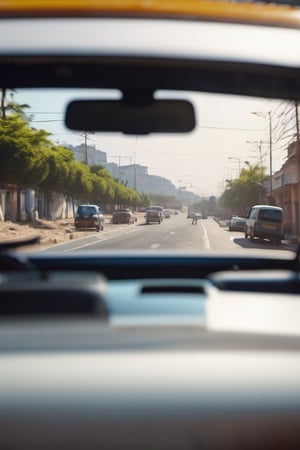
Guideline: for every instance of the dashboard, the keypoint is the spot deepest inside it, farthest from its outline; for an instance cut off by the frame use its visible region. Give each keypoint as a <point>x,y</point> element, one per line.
<point>89,360</point>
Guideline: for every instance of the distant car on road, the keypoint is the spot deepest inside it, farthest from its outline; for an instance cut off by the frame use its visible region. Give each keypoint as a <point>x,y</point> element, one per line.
<point>89,216</point>
<point>153,216</point>
<point>237,223</point>
<point>167,213</point>
<point>123,216</point>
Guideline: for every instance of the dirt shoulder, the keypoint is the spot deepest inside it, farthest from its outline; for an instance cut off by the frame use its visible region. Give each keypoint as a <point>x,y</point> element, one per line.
<point>49,232</point>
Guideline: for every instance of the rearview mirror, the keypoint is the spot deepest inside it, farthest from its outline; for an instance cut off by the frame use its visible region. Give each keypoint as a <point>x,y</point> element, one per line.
<point>157,116</point>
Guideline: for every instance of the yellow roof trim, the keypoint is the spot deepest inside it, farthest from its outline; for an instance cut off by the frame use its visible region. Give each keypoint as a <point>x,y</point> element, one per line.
<point>255,13</point>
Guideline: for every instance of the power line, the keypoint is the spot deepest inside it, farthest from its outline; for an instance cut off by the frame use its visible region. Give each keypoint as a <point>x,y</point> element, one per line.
<point>231,128</point>
<point>46,112</point>
<point>44,121</point>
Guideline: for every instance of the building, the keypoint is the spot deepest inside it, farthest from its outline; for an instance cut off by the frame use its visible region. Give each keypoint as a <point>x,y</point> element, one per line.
<point>89,154</point>
<point>133,176</point>
<point>286,190</point>
<point>137,177</point>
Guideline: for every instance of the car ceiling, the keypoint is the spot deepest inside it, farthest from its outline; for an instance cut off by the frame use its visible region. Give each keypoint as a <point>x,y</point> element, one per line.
<point>93,72</point>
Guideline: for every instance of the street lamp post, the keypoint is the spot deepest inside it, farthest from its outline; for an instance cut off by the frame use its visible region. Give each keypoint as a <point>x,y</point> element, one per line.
<point>239,161</point>
<point>261,156</point>
<point>236,159</point>
<point>259,114</point>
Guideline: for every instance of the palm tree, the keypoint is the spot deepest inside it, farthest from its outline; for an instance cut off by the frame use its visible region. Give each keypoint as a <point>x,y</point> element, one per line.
<point>3,97</point>
<point>11,105</point>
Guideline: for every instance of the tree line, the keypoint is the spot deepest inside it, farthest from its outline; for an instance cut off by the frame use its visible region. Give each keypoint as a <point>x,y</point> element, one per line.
<point>29,159</point>
<point>245,191</point>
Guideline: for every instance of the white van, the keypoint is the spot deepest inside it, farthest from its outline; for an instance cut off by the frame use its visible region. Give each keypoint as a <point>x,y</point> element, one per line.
<point>266,222</point>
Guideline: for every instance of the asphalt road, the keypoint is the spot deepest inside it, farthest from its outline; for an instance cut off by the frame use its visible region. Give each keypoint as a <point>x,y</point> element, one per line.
<point>174,234</point>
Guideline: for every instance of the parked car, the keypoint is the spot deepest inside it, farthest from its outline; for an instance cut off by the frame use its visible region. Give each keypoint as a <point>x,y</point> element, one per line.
<point>89,216</point>
<point>265,222</point>
<point>237,223</point>
<point>123,216</point>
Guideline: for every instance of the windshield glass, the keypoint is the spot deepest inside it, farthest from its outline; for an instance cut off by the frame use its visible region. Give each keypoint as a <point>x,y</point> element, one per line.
<point>219,170</point>
<point>270,216</point>
<point>86,210</point>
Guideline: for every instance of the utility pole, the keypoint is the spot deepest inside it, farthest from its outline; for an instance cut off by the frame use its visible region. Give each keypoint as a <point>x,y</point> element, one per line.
<point>271,144</point>
<point>85,148</point>
<point>260,159</point>
<point>239,163</point>
<point>134,171</point>
<point>261,154</point>
<point>297,213</point>
<point>297,123</point>
<point>119,158</point>
<point>260,114</point>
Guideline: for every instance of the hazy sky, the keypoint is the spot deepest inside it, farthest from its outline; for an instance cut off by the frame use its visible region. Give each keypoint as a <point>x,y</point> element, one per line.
<point>201,160</point>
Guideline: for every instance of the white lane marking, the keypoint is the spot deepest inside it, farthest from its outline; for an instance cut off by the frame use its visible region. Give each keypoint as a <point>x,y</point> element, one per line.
<point>205,237</point>
<point>168,235</point>
<point>111,234</point>
<point>154,246</point>
<point>164,238</point>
